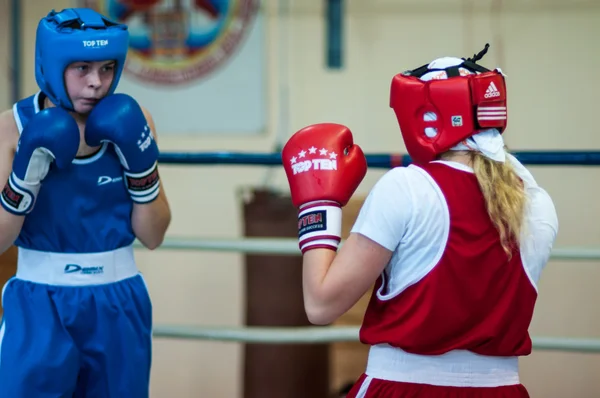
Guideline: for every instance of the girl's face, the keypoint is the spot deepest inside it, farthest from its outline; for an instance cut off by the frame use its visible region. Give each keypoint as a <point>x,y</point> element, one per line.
<point>88,82</point>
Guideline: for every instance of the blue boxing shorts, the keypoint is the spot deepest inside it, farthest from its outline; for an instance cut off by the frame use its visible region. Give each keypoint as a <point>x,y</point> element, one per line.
<point>76,325</point>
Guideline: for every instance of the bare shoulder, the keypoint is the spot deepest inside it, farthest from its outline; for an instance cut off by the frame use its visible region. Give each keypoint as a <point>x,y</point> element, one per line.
<point>9,132</point>
<point>150,120</point>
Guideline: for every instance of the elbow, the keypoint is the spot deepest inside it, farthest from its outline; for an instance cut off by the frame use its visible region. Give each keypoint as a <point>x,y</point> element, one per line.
<point>7,241</point>
<point>151,234</point>
<point>320,315</point>
<point>4,246</point>
<point>152,246</point>
<point>152,242</point>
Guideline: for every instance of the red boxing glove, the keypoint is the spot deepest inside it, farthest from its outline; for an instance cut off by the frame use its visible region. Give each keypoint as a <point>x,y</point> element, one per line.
<point>324,168</point>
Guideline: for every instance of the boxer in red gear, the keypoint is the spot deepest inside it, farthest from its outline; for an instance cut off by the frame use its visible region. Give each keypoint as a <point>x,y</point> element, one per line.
<point>453,245</point>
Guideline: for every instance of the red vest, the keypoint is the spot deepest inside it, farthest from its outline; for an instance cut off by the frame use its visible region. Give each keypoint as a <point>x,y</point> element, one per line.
<point>473,299</point>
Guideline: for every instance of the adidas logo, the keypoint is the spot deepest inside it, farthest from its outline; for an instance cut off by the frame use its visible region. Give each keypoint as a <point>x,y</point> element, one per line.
<point>492,91</point>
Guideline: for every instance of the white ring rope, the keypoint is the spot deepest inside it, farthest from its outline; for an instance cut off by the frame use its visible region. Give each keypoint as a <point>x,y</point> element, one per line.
<point>329,334</point>
<point>319,335</point>
<point>289,246</point>
<point>262,335</point>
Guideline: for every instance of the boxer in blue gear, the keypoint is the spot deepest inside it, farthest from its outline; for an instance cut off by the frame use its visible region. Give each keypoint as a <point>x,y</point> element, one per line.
<point>79,163</point>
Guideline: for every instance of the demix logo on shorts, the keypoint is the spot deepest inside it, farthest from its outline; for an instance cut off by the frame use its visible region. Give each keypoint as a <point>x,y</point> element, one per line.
<point>324,160</point>
<point>76,268</point>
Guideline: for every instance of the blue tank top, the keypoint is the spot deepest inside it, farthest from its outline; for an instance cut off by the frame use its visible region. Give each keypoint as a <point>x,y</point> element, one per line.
<point>82,209</point>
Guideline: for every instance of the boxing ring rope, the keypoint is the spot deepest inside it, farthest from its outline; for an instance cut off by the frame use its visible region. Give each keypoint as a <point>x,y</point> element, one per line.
<point>287,246</point>
<point>330,334</point>
<point>532,158</point>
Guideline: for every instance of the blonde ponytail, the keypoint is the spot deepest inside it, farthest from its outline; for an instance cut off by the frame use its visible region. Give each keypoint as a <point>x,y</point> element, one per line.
<point>504,196</point>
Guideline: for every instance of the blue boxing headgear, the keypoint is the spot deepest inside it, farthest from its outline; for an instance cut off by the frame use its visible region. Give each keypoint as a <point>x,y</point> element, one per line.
<point>73,35</point>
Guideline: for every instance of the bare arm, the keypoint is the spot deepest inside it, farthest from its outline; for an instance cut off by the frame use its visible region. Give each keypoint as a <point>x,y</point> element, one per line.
<point>10,224</point>
<point>151,220</point>
<point>333,283</point>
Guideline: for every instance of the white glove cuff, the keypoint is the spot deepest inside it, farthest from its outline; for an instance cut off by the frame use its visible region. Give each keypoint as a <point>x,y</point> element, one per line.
<point>143,187</point>
<point>319,226</point>
<point>18,196</point>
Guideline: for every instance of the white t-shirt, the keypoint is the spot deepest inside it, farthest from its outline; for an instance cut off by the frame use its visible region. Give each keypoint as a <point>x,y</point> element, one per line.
<point>407,213</point>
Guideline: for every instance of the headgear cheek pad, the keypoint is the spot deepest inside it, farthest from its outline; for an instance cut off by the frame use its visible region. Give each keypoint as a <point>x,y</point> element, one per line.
<point>74,35</point>
<point>436,115</point>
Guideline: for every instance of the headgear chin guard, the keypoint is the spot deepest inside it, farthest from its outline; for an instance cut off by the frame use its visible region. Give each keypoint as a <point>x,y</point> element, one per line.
<point>443,103</point>
<point>72,35</point>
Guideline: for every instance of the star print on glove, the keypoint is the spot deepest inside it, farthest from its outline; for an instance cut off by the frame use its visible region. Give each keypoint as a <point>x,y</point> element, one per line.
<point>145,139</point>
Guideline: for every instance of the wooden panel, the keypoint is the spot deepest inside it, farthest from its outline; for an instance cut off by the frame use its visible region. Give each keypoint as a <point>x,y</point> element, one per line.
<point>274,298</point>
<point>8,266</point>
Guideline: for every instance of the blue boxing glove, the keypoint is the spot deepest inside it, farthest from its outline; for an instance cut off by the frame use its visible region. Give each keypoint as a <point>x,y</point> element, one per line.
<point>119,119</point>
<point>50,135</point>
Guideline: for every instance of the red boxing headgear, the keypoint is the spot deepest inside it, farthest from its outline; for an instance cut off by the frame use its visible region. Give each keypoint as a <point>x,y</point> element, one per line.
<point>458,101</point>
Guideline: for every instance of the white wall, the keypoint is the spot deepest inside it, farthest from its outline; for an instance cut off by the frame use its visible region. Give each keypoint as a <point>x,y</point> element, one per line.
<point>549,51</point>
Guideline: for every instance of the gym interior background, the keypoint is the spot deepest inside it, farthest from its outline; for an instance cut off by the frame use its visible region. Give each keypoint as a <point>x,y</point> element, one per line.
<point>548,49</point>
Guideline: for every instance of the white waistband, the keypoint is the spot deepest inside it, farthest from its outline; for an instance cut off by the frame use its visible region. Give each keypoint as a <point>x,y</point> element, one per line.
<point>458,368</point>
<point>76,269</point>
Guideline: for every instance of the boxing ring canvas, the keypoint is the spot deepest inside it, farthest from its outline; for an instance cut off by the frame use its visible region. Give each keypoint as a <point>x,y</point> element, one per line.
<point>198,66</point>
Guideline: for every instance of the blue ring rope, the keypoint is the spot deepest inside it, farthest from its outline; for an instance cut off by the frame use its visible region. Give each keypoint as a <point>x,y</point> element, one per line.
<point>543,158</point>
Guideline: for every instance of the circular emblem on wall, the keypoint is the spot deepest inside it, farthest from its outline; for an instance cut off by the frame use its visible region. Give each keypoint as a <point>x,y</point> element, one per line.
<point>177,42</point>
